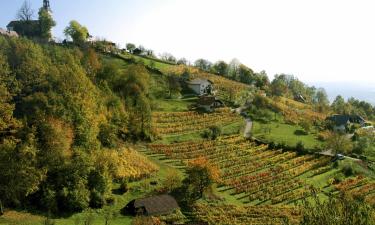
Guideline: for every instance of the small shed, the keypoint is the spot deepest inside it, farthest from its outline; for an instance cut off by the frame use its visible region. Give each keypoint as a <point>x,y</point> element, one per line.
<point>209,103</point>
<point>201,86</point>
<point>151,206</point>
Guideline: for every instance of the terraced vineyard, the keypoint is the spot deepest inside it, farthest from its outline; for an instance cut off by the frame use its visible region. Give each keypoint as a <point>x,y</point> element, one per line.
<point>253,173</point>
<point>235,215</point>
<point>296,111</point>
<point>359,186</point>
<point>168,123</point>
<point>226,89</point>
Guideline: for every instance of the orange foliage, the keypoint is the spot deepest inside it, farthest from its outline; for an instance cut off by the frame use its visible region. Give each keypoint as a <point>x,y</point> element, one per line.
<point>202,162</point>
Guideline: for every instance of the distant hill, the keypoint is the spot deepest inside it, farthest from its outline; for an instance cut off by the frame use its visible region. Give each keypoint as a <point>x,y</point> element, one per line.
<point>362,91</point>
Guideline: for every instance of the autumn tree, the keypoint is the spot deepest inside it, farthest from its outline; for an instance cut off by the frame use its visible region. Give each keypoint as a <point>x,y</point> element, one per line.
<point>172,181</point>
<point>92,63</point>
<point>200,176</point>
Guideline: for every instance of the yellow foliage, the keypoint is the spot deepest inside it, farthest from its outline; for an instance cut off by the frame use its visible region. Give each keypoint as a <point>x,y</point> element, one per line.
<point>125,163</point>
<point>202,162</point>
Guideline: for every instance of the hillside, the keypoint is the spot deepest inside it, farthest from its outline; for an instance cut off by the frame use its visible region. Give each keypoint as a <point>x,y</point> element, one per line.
<point>86,131</point>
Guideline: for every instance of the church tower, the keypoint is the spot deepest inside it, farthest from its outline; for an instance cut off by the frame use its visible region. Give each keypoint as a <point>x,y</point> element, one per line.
<point>46,5</point>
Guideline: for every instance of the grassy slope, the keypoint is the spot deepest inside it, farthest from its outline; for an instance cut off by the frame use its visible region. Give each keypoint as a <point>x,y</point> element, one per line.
<point>281,132</point>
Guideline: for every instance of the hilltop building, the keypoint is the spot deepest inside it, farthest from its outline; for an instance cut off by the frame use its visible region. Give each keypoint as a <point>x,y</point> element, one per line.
<point>28,28</point>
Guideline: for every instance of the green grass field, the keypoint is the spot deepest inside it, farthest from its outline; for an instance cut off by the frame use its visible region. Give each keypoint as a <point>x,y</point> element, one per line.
<point>280,132</point>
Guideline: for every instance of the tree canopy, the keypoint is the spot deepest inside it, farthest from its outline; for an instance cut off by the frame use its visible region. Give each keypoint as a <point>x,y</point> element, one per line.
<point>76,32</point>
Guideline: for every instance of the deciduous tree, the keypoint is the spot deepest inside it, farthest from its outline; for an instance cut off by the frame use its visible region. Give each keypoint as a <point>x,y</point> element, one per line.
<point>46,23</point>
<point>25,13</point>
<point>77,32</point>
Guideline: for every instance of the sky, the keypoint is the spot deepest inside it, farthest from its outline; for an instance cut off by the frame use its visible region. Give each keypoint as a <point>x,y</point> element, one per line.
<point>315,40</point>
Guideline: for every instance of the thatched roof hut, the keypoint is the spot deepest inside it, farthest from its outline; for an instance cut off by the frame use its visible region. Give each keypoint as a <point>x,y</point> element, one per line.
<point>155,205</point>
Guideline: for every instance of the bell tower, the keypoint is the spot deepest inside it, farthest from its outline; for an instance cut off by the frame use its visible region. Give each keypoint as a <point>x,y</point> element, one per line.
<point>46,5</point>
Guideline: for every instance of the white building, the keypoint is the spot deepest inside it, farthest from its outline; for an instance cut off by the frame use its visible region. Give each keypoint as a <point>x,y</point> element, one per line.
<point>201,86</point>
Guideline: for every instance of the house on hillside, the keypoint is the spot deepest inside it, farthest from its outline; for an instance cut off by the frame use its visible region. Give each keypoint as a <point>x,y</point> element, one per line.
<point>152,206</point>
<point>299,98</point>
<point>201,86</point>
<point>342,122</point>
<point>8,33</point>
<point>209,103</point>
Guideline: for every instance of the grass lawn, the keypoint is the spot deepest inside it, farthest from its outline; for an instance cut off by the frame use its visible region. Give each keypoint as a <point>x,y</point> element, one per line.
<point>228,129</point>
<point>173,105</point>
<point>149,62</point>
<point>280,132</point>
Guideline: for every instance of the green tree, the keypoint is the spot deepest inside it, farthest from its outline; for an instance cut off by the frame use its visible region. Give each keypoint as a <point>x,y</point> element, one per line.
<point>279,86</point>
<point>46,23</point>
<point>338,105</point>
<point>20,174</point>
<point>339,143</point>
<point>77,32</point>
<point>213,132</point>
<point>130,47</point>
<point>220,68</point>
<point>321,100</point>
<point>203,64</point>
<point>174,86</point>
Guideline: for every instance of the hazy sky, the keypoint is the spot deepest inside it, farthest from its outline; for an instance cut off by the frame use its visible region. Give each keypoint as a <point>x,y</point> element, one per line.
<point>316,40</point>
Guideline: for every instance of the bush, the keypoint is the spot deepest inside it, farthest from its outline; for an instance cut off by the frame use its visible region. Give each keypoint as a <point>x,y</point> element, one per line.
<point>96,199</point>
<point>323,135</point>
<point>123,187</point>
<point>348,170</point>
<point>212,133</point>
<point>300,148</point>
<point>306,125</point>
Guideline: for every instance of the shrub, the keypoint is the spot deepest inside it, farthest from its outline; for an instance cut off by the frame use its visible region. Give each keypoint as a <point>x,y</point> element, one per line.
<point>306,125</point>
<point>96,199</point>
<point>323,135</point>
<point>123,187</point>
<point>300,148</point>
<point>348,170</point>
<point>212,133</point>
